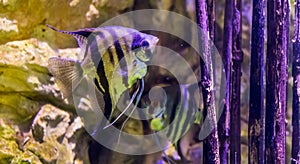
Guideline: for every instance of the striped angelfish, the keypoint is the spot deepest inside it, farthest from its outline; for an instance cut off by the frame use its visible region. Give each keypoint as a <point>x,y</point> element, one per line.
<point>114,58</point>
<point>174,115</point>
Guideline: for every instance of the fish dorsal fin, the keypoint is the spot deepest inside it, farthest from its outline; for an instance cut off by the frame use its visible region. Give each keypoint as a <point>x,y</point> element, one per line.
<point>67,74</point>
<point>80,35</point>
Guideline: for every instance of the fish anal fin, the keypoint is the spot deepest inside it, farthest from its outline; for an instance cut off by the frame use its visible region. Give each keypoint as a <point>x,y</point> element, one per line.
<point>67,74</point>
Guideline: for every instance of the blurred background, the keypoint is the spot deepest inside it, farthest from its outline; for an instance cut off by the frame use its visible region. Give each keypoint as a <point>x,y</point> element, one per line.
<point>25,46</point>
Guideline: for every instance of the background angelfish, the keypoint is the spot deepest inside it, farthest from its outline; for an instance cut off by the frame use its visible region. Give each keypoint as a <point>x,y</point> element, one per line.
<point>114,57</point>
<point>174,110</point>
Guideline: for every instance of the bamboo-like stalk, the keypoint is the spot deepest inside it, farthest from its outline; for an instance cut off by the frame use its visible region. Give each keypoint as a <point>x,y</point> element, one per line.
<point>276,80</point>
<point>211,143</point>
<point>256,125</point>
<point>296,87</point>
<point>224,121</point>
<point>211,12</point>
<point>237,58</point>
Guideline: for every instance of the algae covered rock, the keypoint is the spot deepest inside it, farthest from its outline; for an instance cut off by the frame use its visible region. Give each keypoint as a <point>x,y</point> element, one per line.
<point>19,147</point>
<point>32,129</point>
<point>32,51</point>
<point>51,136</point>
<point>23,19</point>
<point>25,83</point>
<point>17,84</point>
<point>10,150</point>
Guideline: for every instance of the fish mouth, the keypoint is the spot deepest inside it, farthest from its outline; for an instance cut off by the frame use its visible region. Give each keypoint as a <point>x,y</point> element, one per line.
<point>155,41</point>
<point>160,114</point>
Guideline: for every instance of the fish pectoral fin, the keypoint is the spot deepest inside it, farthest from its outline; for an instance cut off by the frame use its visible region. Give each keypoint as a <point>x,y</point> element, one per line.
<point>67,74</point>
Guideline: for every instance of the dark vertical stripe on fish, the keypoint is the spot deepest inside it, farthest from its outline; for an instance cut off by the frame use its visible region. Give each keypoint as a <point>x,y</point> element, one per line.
<point>107,105</point>
<point>135,41</point>
<point>188,117</point>
<point>111,56</point>
<point>120,54</point>
<point>180,116</point>
<point>97,83</point>
<point>127,50</point>
<point>96,57</point>
<point>173,122</point>
<point>107,46</point>
<point>189,108</point>
<point>172,111</point>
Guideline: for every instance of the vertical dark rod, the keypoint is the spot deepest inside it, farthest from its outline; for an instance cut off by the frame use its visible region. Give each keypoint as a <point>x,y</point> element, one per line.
<point>288,55</point>
<point>276,80</point>
<point>211,143</point>
<point>237,58</point>
<point>256,139</point>
<point>270,79</point>
<point>224,121</point>
<point>296,87</point>
<point>211,10</point>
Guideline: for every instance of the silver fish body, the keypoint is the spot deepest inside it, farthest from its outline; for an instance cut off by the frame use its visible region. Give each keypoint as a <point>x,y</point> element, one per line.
<point>114,57</point>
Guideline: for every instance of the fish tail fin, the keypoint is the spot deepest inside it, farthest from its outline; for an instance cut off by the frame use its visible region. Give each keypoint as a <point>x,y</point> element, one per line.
<point>67,73</point>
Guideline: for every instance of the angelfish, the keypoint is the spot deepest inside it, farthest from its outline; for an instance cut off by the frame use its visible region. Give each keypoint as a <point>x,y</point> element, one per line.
<point>174,114</point>
<point>114,57</point>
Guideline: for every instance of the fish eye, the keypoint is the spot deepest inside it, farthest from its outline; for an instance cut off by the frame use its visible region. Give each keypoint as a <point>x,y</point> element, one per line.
<point>165,80</point>
<point>168,78</point>
<point>144,44</point>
